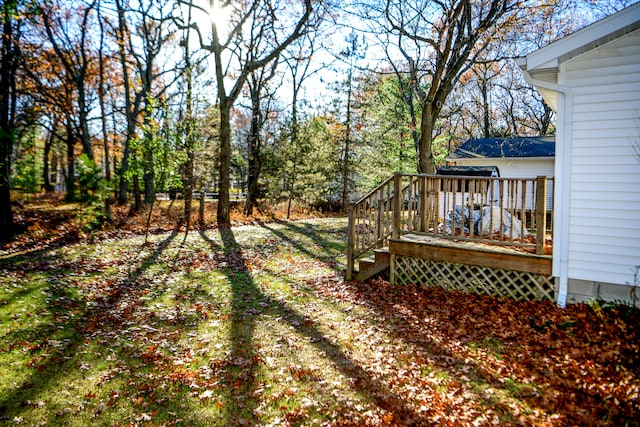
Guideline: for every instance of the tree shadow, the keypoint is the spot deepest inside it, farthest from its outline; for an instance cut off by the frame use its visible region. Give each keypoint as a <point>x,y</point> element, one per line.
<point>57,361</point>
<point>312,233</point>
<point>243,355</point>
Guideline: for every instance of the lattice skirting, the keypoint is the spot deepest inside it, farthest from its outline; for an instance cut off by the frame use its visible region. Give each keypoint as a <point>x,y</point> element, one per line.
<point>519,285</point>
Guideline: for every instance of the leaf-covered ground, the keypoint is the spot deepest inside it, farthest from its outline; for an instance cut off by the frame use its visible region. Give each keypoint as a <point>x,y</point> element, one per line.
<point>253,325</point>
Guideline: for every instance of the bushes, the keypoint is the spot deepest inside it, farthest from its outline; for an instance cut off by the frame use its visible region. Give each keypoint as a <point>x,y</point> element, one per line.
<point>94,190</point>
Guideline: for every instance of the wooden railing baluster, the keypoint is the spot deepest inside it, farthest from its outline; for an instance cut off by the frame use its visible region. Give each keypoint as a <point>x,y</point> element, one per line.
<point>351,241</point>
<point>541,214</point>
<point>397,205</point>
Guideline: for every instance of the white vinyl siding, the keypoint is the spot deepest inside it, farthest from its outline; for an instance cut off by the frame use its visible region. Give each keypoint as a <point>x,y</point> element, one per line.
<point>513,167</point>
<point>519,168</point>
<point>604,215</point>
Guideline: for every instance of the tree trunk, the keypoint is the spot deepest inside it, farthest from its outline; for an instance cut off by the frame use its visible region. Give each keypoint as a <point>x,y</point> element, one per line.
<point>414,120</point>
<point>85,137</point>
<point>254,155</point>
<point>148,178</point>
<point>293,176</point>
<point>346,169</point>
<point>56,164</point>
<point>485,109</point>
<point>129,113</point>
<point>294,146</point>
<point>7,114</point>
<point>148,174</point>
<point>546,119</point>
<point>188,183</point>
<point>224,209</point>
<point>254,171</point>
<point>137,197</point>
<point>46,171</point>
<point>201,206</point>
<point>6,215</point>
<point>70,178</point>
<point>294,143</point>
<point>103,118</point>
<point>123,186</point>
<point>425,153</point>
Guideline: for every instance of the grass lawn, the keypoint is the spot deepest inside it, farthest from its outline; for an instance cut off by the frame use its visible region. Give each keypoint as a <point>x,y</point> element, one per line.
<point>253,325</point>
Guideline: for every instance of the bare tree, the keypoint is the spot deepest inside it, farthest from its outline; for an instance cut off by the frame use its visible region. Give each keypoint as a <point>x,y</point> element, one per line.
<point>73,51</point>
<point>102,87</point>
<point>258,83</point>
<point>189,123</point>
<point>138,50</point>
<point>298,62</point>
<point>270,24</point>
<point>351,55</point>
<point>435,42</point>
<point>191,118</point>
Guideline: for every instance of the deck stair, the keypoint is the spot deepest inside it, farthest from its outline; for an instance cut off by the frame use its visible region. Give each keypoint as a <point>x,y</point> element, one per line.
<point>374,264</point>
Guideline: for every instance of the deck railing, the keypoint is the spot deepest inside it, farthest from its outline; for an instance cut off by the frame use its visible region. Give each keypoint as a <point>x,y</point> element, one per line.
<point>503,211</point>
<point>370,223</point>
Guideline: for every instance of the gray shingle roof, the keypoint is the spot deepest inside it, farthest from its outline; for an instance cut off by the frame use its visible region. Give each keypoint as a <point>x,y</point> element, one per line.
<point>468,170</point>
<point>521,146</point>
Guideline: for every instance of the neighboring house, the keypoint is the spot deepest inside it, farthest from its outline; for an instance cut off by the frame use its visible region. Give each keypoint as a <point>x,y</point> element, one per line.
<point>513,157</point>
<point>592,80</point>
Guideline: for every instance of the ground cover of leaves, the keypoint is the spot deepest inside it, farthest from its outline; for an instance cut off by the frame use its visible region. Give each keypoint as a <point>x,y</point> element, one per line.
<point>253,325</point>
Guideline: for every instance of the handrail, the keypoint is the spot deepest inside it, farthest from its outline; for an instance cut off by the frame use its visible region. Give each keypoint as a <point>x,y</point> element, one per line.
<point>369,223</point>
<point>363,198</point>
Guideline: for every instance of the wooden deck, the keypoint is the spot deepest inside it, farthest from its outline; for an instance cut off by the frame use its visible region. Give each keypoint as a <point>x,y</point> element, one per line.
<point>410,237</point>
<point>468,252</point>
<point>470,267</point>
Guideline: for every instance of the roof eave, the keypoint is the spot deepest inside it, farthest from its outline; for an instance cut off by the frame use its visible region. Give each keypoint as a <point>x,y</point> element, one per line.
<point>453,159</point>
<point>581,41</point>
<point>543,64</point>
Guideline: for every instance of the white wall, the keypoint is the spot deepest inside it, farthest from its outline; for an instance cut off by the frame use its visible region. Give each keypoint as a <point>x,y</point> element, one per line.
<point>604,213</point>
<point>514,167</point>
<point>519,168</point>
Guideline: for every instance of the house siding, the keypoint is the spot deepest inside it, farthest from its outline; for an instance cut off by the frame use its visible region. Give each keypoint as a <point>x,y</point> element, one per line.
<point>519,168</point>
<point>604,212</point>
<point>514,168</point>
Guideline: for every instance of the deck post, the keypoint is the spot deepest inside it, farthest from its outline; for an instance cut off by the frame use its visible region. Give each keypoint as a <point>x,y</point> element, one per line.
<point>422,202</point>
<point>541,213</point>
<point>351,241</point>
<point>397,204</point>
<point>380,218</point>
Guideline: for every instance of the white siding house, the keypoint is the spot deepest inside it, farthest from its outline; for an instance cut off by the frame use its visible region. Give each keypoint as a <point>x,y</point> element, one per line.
<point>592,80</point>
<point>513,157</point>
<point>523,157</point>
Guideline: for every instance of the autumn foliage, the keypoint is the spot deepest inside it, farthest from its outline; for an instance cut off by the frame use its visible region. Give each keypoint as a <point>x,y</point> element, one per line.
<point>254,325</point>
<point>572,366</point>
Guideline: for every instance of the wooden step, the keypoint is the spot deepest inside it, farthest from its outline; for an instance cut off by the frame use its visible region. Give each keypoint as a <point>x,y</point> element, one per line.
<point>366,263</point>
<point>374,264</point>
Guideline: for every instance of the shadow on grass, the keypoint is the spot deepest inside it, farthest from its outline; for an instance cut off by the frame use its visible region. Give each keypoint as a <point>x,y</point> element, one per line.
<point>54,363</point>
<point>246,294</point>
<point>308,231</point>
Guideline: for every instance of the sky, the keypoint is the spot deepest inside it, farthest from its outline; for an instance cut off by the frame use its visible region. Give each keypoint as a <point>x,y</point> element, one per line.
<point>326,68</point>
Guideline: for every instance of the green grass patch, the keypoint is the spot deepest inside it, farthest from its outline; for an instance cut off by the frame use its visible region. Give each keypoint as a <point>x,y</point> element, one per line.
<point>195,330</point>
<point>254,326</point>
